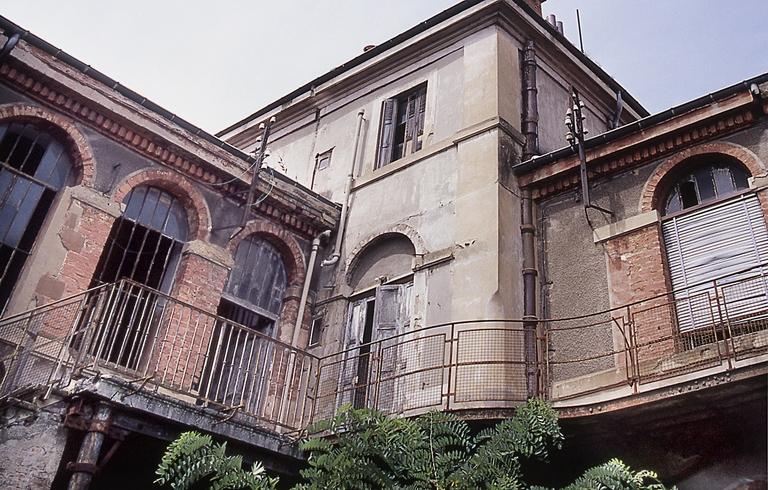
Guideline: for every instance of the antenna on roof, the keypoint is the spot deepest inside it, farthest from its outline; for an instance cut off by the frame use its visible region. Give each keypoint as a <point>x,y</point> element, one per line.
<point>581,39</point>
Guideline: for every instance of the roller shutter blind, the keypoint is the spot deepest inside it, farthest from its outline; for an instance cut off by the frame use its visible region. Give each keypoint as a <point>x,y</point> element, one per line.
<point>712,243</point>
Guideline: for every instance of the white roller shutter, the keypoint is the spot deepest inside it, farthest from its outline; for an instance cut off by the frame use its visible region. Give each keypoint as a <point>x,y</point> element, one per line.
<point>712,243</point>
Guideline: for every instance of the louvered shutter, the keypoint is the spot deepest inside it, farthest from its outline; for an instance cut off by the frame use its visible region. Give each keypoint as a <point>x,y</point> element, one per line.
<point>711,243</point>
<point>391,316</point>
<point>421,105</point>
<point>353,338</point>
<point>387,132</point>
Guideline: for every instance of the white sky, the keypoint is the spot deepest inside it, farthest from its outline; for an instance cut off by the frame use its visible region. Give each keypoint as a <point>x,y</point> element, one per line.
<point>215,62</point>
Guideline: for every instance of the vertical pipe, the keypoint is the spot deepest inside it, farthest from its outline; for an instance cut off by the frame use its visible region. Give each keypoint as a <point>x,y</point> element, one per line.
<point>88,458</point>
<point>530,322</point>
<point>530,129</point>
<point>530,117</point>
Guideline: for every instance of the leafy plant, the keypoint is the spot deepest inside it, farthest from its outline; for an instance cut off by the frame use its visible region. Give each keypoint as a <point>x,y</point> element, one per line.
<point>193,457</point>
<point>366,450</point>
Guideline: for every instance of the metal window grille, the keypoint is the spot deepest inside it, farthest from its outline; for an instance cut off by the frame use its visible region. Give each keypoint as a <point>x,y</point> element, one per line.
<point>33,168</point>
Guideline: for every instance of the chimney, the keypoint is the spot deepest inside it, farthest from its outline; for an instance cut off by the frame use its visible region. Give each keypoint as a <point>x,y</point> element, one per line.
<point>552,20</point>
<point>535,5</point>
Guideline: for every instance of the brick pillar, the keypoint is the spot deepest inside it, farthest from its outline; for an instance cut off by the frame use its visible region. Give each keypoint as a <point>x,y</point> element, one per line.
<point>636,272</point>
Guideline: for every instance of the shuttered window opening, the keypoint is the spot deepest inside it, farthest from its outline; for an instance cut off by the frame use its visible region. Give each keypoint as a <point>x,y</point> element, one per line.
<point>724,244</point>
<point>372,319</point>
<point>33,167</point>
<point>402,125</point>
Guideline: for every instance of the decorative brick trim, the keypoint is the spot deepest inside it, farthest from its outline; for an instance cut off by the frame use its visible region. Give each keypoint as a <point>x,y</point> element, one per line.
<point>623,160</point>
<point>63,130</point>
<point>283,240</point>
<point>658,181</point>
<point>401,229</point>
<point>198,215</point>
<point>137,139</point>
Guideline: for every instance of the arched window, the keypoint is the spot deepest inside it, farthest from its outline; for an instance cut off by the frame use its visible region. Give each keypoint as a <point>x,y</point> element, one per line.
<point>33,168</point>
<point>255,286</point>
<point>714,235</point>
<point>145,242</point>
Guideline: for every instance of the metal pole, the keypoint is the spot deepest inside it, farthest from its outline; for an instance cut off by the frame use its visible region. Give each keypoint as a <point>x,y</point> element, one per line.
<point>88,458</point>
<point>256,169</point>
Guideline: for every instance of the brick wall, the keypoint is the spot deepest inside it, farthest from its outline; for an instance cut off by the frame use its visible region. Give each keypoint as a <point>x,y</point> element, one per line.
<point>636,272</point>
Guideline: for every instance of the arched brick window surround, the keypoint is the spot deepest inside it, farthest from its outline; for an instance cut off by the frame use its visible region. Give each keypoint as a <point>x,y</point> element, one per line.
<point>665,174</point>
<point>284,242</point>
<point>63,130</point>
<point>189,197</point>
<point>402,229</point>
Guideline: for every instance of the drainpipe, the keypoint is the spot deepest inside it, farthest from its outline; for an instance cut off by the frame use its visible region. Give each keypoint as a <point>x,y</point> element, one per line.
<point>530,121</point>
<point>88,458</point>
<point>10,43</point>
<point>307,280</point>
<point>347,190</point>
<point>530,130</point>
<point>530,322</point>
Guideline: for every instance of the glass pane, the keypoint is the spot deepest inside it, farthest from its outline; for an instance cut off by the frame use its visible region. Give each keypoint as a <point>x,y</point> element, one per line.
<point>11,207</point>
<point>723,181</point>
<point>704,183</point>
<point>673,203</point>
<point>258,275</point>
<point>157,210</point>
<point>19,224</point>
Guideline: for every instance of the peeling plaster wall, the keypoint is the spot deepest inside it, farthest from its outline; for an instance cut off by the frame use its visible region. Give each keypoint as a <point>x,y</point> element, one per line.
<point>31,447</point>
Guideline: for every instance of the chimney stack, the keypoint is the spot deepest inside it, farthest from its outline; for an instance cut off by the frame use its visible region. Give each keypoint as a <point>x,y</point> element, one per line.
<point>552,20</point>
<point>535,5</point>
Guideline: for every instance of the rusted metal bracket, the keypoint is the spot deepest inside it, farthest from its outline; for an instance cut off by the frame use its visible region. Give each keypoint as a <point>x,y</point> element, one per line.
<point>144,382</point>
<point>89,468</point>
<point>234,409</point>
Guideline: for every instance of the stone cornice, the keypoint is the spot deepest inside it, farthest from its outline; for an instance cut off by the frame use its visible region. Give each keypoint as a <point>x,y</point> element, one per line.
<point>645,145</point>
<point>284,203</point>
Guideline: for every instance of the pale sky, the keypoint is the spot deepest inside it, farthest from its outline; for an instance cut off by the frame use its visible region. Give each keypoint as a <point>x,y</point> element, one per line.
<point>215,62</point>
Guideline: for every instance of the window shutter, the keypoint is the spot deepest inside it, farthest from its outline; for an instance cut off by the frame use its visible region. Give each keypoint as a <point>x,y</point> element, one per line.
<point>421,104</point>
<point>352,339</point>
<point>387,132</point>
<point>387,313</point>
<point>708,244</point>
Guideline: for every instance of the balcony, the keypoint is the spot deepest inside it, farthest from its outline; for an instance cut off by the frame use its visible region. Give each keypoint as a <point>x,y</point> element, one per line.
<point>158,346</point>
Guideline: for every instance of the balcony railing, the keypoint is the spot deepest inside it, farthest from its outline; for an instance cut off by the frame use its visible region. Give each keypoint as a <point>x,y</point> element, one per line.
<point>136,333</point>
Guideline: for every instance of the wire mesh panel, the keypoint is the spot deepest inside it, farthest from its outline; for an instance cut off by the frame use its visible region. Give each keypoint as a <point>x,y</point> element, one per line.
<point>34,347</point>
<point>411,376</point>
<point>490,365</point>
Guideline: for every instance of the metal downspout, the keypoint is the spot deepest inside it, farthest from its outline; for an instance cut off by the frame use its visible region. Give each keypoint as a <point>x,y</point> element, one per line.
<point>530,322</point>
<point>307,281</point>
<point>530,120</point>
<point>530,117</point>
<point>347,190</point>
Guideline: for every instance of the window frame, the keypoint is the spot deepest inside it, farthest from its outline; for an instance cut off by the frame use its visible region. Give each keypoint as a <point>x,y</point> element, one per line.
<point>412,123</point>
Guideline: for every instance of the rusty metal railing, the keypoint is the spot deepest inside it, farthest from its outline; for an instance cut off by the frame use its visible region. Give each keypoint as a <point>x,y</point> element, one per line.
<point>133,332</point>
<point>710,324</point>
<point>136,332</point>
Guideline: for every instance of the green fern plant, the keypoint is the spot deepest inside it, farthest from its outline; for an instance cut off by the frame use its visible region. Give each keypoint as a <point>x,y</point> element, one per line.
<point>194,457</point>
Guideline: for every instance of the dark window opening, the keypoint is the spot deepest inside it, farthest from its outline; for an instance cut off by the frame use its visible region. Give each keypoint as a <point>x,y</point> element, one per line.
<point>33,167</point>
<point>688,194</point>
<point>144,244</point>
<point>402,126</point>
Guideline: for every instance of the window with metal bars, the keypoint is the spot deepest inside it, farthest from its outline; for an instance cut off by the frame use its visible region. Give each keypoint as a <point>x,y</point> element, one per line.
<point>402,125</point>
<point>33,168</point>
<point>252,297</point>
<point>145,242</point>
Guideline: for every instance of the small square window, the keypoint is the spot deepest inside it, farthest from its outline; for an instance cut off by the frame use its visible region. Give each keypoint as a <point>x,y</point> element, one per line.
<point>316,332</point>
<point>323,160</point>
